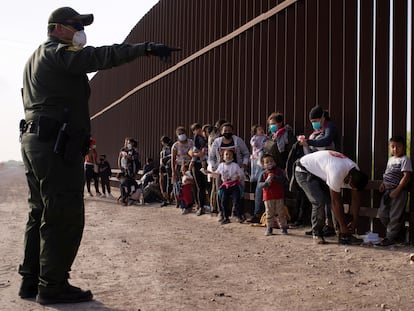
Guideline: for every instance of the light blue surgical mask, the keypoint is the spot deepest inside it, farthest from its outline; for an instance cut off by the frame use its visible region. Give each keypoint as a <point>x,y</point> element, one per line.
<point>272,128</point>
<point>316,125</point>
<point>182,137</point>
<point>228,160</point>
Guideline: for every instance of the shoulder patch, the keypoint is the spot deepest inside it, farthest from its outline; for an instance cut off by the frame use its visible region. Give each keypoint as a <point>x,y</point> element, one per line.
<point>72,48</point>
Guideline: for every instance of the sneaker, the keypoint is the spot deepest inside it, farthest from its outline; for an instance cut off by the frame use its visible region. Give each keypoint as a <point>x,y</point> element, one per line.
<point>329,231</point>
<point>297,224</point>
<point>241,219</point>
<point>200,211</point>
<point>318,240</point>
<point>225,221</point>
<point>90,194</point>
<point>98,194</point>
<point>164,204</point>
<point>269,231</point>
<point>122,201</point>
<point>349,239</point>
<point>255,219</point>
<point>109,196</point>
<point>214,213</point>
<point>68,294</point>
<point>284,231</point>
<point>184,211</point>
<point>310,232</point>
<point>386,242</point>
<point>28,288</point>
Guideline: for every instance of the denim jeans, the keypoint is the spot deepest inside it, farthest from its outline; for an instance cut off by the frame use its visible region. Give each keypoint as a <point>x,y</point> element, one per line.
<point>259,207</point>
<point>318,196</point>
<point>226,196</point>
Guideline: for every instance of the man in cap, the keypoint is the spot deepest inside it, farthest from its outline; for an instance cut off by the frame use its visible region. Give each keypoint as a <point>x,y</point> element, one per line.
<point>55,136</point>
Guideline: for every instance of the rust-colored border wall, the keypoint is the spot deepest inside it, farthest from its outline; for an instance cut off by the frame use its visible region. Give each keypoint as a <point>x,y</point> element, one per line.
<point>305,54</point>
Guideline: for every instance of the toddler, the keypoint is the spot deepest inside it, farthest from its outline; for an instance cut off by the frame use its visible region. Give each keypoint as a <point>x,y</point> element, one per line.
<point>257,143</point>
<point>272,182</point>
<point>184,194</point>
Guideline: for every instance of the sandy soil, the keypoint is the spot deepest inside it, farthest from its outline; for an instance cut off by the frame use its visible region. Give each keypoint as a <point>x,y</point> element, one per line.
<point>152,258</point>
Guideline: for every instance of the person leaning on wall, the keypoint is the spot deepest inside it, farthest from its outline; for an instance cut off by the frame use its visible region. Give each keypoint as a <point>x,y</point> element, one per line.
<point>55,136</point>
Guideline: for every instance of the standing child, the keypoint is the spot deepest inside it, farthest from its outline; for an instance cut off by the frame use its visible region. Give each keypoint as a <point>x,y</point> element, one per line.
<point>395,180</point>
<point>272,182</point>
<point>91,168</point>
<point>184,194</point>
<point>257,143</point>
<point>231,175</point>
<point>104,174</point>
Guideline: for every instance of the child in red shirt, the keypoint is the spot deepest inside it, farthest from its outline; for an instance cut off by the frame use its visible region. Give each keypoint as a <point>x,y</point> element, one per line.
<point>272,182</point>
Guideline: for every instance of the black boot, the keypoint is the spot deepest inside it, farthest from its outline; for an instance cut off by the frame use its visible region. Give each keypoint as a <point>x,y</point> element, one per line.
<point>66,294</point>
<point>28,288</point>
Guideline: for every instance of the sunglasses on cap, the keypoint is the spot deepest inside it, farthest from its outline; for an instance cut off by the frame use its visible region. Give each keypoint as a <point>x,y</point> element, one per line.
<point>76,25</point>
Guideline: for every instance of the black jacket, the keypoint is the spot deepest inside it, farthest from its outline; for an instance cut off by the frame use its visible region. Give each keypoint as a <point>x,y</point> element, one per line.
<point>55,81</point>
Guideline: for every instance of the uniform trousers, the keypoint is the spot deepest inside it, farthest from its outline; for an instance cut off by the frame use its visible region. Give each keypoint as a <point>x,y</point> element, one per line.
<point>56,213</point>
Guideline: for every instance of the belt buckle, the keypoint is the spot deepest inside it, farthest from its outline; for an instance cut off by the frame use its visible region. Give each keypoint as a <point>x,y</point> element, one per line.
<point>30,127</point>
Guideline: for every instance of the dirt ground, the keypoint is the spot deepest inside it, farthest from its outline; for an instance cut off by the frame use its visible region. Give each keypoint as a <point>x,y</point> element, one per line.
<point>151,258</point>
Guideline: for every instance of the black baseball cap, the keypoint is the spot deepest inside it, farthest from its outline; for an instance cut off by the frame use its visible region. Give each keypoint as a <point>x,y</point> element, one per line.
<point>62,15</point>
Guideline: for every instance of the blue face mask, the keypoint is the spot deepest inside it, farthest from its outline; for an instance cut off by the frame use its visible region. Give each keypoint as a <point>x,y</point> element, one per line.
<point>316,125</point>
<point>228,160</point>
<point>182,137</point>
<point>272,128</point>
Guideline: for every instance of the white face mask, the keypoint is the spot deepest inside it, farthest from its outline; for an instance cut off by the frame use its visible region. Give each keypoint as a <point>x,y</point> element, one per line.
<point>182,137</point>
<point>79,39</point>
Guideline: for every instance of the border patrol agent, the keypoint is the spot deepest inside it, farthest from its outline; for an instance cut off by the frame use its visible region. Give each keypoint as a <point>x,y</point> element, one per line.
<point>54,137</point>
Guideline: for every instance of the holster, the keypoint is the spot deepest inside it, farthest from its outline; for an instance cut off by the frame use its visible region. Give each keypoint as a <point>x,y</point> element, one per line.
<point>71,144</point>
<point>47,128</point>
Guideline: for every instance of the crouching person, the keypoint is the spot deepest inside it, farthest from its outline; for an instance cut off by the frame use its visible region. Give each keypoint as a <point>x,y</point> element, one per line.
<point>128,188</point>
<point>321,175</point>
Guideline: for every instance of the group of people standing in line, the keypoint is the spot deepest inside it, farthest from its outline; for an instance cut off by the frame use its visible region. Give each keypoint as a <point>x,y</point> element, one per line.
<point>219,162</point>
<point>209,171</point>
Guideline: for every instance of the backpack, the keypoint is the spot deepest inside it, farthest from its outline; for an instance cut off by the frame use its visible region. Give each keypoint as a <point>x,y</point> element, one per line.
<point>294,154</point>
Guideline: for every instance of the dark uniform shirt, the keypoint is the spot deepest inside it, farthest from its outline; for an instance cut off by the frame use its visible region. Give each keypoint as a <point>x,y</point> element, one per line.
<point>55,79</point>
